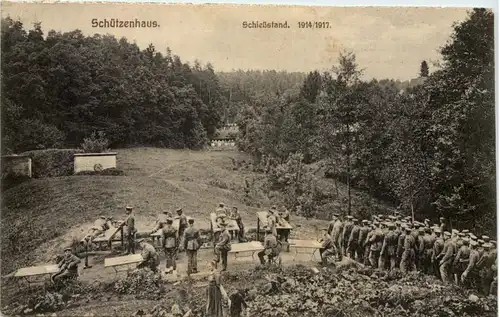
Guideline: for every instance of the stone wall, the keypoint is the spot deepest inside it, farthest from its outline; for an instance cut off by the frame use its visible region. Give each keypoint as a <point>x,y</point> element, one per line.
<point>19,165</point>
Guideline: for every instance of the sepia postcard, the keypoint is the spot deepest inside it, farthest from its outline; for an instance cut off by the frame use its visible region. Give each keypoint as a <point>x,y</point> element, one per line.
<point>247,160</point>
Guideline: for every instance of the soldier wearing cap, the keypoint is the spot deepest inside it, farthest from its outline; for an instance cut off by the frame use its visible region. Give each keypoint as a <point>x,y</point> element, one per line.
<point>270,247</point>
<point>389,248</point>
<point>346,232</point>
<point>420,248</point>
<point>183,223</point>
<point>327,247</point>
<point>376,241</point>
<point>437,250</point>
<point>271,221</point>
<point>150,257</point>
<point>352,244</point>
<point>192,244</point>
<point>235,215</point>
<point>485,238</point>
<point>161,221</point>
<point>335,230</point>
<point>480,249</point>
<point>400,246</point>
<point>447,257</point>
<point>169,240</point>
<point>428,241</point>
<point>408,256</point>
<point>99,227</point>
<point>221,209</point>
<point>470,273</point>
<point>130,230</point>
<point>461,259</point>
<point>484,265</point>
<point>363,233</point>
<point>68,266</point>
<point>222,247</point>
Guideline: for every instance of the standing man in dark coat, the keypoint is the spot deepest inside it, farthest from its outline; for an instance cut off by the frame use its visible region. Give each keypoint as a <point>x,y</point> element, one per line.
<point>192,245</point>
<point>130,230</point>
<point>223,247</point>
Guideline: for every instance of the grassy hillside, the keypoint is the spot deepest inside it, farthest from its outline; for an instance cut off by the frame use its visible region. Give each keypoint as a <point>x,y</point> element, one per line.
<point>42,216</point>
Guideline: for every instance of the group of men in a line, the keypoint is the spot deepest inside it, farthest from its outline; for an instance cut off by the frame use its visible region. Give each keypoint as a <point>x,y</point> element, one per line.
<point>390,242</point>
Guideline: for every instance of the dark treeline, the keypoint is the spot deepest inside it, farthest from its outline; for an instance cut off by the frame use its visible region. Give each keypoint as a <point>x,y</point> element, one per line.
<point>241,87</point>
<point>429,149</point>
<point>59,88</point>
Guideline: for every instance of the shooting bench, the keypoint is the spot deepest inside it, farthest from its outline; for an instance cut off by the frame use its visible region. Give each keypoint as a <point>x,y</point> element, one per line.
<point>281,227</point>
<point>246,247</point>
<point>232,227</point>
<point>122,261</point>
<point>305,247</point>
<point>36,271</point>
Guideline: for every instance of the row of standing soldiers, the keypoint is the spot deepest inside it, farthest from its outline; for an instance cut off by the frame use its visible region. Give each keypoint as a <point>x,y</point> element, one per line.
<point>394,242</point>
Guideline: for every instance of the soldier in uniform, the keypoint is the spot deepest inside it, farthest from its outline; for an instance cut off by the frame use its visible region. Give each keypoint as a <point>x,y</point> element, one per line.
<point>183,224</point>
<point>352,243</point>
<point>376,240</point>
<point>367,243</point>
<point>400,245</point>
<point>363,233</point>
<point>192,245</point>
<point>389,246</point>
<point>169,243</point>
<point>285,214</point>
<point>346,232</point>
<point>484,265</point>
<point>161,221</point>
<point>461,259</point>
<point>271,222</point>
<point>408,256</point>
<point>235,215</point>
<point>68,266</point>
<point>222,247</point>
<point>437,248</point>
<point>470,274</point>
<point>327,247</point>
<point>335,231</point>
<point>447,257</point>
<point>130,230</point>
<point>420,248</point>
<point>270,247</point>
<point>428,248</point>
<point>99,227</point>
<point>149,255</point>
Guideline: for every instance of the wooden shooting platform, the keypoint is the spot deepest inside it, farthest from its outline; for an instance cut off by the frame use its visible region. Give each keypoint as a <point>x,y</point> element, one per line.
<point>245,248</point>
<point>122,260</point>
<point>304,246</point>
<point>282,225</point>
<point>37,270</point>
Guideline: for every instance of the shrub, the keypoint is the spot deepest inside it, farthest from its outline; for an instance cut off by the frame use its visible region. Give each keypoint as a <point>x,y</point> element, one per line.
<point>106,172</point>
<point>142,283</point>
<point>52,162</point>
<point>96,143</point>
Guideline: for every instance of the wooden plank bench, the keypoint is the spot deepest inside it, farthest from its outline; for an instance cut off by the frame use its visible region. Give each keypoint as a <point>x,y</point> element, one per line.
<point>304,247</point>
<point>36,271</point>
<point>122,260</point>
<point>246,247</point>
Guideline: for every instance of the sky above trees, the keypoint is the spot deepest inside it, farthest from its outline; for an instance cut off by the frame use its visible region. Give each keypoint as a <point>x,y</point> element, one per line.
<point>388,42</point>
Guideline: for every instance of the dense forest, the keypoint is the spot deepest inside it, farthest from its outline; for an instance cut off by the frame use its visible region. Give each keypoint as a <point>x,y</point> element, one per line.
<point>429,149</point>
<point>59,88</point>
